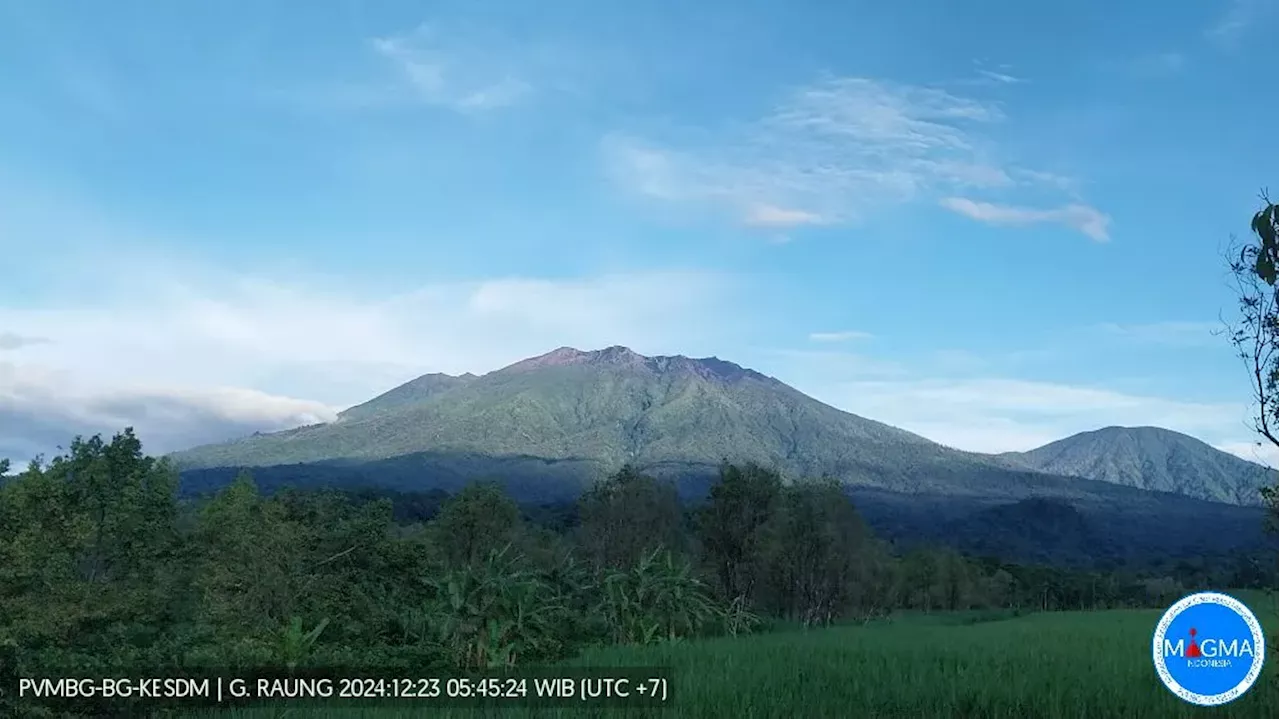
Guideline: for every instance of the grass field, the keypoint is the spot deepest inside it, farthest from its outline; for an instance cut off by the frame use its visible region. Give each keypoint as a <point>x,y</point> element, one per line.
<point>1082,665</point>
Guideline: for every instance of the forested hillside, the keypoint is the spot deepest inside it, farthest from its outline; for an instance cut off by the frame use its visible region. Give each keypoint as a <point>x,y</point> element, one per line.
<point>104,570</point>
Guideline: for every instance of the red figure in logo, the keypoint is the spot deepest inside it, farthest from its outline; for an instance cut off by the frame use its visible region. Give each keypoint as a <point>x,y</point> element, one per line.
<point>1193,651</point>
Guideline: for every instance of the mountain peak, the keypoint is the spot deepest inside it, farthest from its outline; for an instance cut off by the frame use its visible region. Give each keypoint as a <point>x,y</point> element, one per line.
<point>1152,458</point>
<point>561,356</point>
<point>618,356</point>
<point>1140,429</point>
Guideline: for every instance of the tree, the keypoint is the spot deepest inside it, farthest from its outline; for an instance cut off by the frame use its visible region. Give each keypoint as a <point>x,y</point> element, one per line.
<point>628,516</point>
<point>1254,332</point>
<point>474,523</point>
<point>815,552</point>
<point>248,560</point>
<point>730,525</point>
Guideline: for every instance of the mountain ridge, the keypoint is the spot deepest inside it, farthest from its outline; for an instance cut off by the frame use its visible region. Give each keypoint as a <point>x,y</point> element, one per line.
<point>1152,458</point>
<point>613,406</point>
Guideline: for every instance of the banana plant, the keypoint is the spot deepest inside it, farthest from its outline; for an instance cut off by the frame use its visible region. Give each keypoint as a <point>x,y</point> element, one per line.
<point>657,599</point>
<point>494,614</point>
<point>296,641</point>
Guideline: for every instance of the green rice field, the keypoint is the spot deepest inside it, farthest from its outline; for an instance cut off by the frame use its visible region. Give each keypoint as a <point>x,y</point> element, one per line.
<point>1078,665</point>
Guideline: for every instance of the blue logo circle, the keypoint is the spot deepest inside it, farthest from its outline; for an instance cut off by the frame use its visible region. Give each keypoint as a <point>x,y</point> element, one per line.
<point>1208,649</point>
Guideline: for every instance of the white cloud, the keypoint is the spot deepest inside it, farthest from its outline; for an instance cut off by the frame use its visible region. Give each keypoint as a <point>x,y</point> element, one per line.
<point>1234,21</point>
<point>1049,179</point>
<point>956,398</point>
<point>994,414</point>
<point>42,409</point>
<point>843,336</point>
<point>829,153</point>
<point>1082,218</point>
<point>454,71</point>
<point>1253,451</point>
<point>1000,77</point>
<point>772,216</point>
<point>177,358</point>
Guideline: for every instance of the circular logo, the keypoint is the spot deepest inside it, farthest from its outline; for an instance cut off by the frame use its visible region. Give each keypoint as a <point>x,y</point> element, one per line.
<point>1208,648</point>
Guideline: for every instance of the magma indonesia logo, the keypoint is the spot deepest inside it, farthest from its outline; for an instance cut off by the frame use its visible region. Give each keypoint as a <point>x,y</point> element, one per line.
<point>1208,649</point>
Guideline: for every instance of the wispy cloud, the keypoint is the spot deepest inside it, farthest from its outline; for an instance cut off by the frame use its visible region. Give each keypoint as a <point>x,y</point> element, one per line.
<point>1000,77</point>
<point>772,216</point>
<point>1053,180</point>
<point>844,336</point>
<point>1234,21</point>
<point>457,69</point>
<point>442,71</point>
<point>1166,333</point>
<point>830,153</point>
<point>1082,218</point>
<point>14,341</point>
<point>1158,64</point>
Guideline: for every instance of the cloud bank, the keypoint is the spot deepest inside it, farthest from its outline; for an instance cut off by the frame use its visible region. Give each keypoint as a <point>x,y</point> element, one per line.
<point>196,361</point>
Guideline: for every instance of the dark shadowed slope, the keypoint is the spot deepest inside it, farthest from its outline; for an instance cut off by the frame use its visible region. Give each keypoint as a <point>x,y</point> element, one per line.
<point>594,411</point>
<point>1151,458</point>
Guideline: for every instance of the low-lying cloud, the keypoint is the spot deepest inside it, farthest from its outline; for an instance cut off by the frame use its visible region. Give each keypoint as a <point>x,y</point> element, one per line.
<point>193,362</point>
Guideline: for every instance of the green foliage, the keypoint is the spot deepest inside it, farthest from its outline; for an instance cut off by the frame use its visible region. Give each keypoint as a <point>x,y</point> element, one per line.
<point>492,614</point>
<point>627,517</point>
<point>296,641</point>
<point>815,549</point>
<point>992,665</point>
<point>731,525</point>
<point>658,599</point>
<point>1264,226</point>
<point>1254,331</point>
<point>472,524</point>
<point>104,571</point>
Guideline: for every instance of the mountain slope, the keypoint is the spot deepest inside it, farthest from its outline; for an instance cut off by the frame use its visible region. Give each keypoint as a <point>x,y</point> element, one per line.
<point>1151,458</point>
<point>611,406</point>
<point>571,414</point>
<point>603,408</point>
<point>409,393</point>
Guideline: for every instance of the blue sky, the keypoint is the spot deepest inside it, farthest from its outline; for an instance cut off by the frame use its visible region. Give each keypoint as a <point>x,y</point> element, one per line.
<point>992,223</point>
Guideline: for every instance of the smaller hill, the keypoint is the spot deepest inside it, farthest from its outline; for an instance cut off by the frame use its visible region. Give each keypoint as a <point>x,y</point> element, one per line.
<point>1151,458</point>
